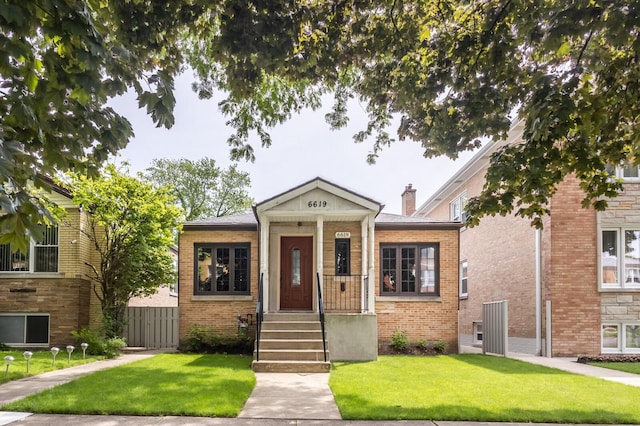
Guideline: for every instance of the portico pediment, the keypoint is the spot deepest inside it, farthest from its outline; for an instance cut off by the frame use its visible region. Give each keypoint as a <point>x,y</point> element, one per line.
<point>317,197</point>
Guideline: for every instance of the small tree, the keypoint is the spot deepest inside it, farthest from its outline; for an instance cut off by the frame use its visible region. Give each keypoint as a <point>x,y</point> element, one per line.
<point>202,188</point>
<point>130,226</point>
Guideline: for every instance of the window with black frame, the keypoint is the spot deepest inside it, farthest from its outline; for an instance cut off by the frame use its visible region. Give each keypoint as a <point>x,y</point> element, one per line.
<point>343,256</point>
<point>222,269</point>
<point>409,269</point>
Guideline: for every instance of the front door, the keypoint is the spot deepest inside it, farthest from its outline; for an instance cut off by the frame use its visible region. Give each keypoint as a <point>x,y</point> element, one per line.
<point>296,273</point>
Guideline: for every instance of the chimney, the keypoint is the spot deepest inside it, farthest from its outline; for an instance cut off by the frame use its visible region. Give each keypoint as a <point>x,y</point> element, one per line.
<point>408,201</point>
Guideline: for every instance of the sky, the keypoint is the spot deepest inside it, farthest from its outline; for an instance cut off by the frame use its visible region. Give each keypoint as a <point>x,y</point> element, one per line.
<point>302,149</point>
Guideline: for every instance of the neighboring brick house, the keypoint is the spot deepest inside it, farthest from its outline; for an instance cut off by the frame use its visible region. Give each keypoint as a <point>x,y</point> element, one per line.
<point>45,293</point>
<point>379,272</point>
<point>569,291</point>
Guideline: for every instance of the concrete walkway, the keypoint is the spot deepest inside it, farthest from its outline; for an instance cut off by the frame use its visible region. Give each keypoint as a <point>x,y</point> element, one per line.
<point>277,399</point>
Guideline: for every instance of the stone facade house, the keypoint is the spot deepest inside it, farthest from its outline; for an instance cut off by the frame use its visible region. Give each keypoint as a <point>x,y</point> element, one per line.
<point>572,288</point>
<point>320,247</point>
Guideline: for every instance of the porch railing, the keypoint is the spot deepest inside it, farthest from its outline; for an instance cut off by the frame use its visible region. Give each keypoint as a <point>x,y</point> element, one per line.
<point>321,313</point>
<point>345,293</point>
<point>259,317</point>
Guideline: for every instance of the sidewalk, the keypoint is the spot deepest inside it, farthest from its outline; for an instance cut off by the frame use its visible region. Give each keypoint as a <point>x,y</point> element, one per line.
<point>277,399</point>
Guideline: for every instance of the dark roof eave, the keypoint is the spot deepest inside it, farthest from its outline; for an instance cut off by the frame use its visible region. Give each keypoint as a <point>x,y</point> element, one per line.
<point>452,226</point>
<point>221,227</point>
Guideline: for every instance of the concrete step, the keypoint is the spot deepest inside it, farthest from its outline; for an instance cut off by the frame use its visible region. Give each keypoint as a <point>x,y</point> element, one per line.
<point>291,355</point>
<point>291,325</point>
<point>308,344</point>
<point>291,366</point>
<point>291,316</point>
<point>291,334</point>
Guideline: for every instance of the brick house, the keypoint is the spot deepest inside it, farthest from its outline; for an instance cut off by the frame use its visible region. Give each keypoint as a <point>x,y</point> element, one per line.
<point>376,273</point>
<point>45,293</point>
<point>569,292</point>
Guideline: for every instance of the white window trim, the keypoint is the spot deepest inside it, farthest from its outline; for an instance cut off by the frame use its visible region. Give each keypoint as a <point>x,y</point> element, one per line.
<point>460,202</point>
<point>620,265</point>
<point>32,258</point>
<point>477,341</point>
<point>622,338</point>
<point>466,276</point>
<point>619,173</point>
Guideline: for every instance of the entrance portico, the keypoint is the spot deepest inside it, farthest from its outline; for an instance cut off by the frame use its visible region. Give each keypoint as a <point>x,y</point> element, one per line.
<point>298,234</point>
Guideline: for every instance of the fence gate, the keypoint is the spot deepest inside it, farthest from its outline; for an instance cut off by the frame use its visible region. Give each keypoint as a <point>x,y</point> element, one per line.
<point>152,327</point>
<point>495,327</point>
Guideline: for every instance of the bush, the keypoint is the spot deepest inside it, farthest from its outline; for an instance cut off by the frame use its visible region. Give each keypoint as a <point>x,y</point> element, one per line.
<point>205,339</point>
<point>98,345</point>
<point>399,340</point>
<point>440,346</point>
<point>113,346</point>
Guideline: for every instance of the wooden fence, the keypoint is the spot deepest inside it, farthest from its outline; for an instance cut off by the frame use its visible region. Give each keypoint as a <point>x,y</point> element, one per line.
<point>152,327</point>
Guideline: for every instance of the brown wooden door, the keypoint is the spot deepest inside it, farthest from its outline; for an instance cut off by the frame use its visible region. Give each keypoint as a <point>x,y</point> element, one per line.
<point>296,268</point>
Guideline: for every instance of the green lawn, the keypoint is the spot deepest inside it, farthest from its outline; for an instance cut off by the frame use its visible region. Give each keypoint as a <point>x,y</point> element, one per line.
<point>629,367</point>
<point>457,387</point>
<point>477,388</point>
<point>40,362</point>
<point>166,384</point>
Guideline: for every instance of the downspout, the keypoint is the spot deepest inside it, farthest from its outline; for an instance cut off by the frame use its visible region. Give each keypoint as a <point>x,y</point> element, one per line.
<point>538,293</point>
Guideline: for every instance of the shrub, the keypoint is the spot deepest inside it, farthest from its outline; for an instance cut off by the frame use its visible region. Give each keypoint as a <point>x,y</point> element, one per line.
<point>113,346</point>
<point>98,345</point>
<point>205,339</point>
<point>440,346</point>
<point>399,340</point>
<point>4,347</point>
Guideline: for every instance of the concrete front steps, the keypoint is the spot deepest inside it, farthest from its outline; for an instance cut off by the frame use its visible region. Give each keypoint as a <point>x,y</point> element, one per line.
<point>291,343</point>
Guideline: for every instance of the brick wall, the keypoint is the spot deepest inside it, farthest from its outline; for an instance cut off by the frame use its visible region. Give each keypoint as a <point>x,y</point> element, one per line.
<point>572,286</point>
<point>218,311</point>
<point>429,318</point>
<point>65,300</point>
<point>500,255</point>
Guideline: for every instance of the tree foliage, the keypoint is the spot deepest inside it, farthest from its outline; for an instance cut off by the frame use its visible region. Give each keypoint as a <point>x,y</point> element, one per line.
<point>453,72</point>
<point>130,224</point>
<point>60,63</point>
<point>202,188</point>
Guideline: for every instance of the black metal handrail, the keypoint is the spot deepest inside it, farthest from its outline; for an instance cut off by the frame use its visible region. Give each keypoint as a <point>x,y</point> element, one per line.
<point>321,312</point>
<point>259,317</point>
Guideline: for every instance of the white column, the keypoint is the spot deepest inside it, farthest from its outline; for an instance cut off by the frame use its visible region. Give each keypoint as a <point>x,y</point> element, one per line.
<point>264,260</point>
<point>372,265</point>
<point>364,230</point>
<point>319,255</point>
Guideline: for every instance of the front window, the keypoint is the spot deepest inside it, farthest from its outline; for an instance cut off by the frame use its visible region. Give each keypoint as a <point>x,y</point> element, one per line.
<point>620,258</point>
<point>409,269</point>
<point>222,269</point>
<point>41,255</point>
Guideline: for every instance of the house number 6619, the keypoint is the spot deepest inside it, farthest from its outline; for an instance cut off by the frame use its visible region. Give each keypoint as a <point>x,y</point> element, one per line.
<point>317,204</point>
